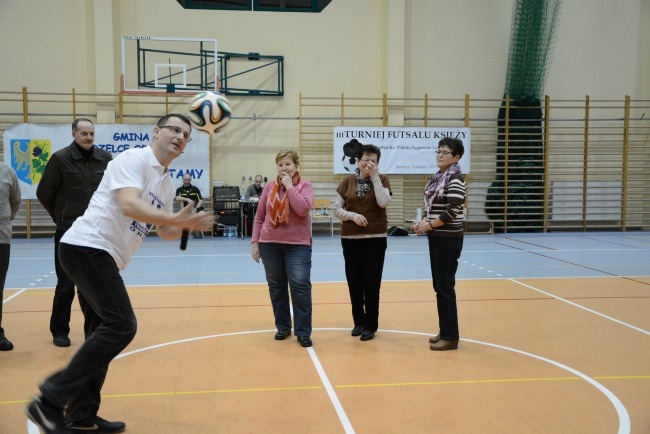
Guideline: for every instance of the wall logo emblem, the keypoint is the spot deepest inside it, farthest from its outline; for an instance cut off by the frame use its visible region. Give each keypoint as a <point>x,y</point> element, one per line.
<point>29,157</point>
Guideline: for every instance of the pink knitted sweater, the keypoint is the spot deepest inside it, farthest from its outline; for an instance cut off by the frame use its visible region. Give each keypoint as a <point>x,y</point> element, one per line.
<point>298,230</point>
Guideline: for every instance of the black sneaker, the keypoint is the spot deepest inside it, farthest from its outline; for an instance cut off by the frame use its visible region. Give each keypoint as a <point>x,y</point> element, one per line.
<point>46,416</point>
<point>97,425</point>
<point>61,341</point>
<point>5,344</point>
<point>305,341</point>
<point>282,334</point>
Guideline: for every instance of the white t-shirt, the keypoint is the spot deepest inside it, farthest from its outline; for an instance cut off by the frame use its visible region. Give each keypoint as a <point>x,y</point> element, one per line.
<point>103,225</point>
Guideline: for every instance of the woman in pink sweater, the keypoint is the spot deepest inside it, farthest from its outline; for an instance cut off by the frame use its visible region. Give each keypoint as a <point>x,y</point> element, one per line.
<point>282,239</point>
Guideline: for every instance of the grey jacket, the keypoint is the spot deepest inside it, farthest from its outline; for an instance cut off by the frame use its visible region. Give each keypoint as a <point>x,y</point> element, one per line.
<point>9,201</point>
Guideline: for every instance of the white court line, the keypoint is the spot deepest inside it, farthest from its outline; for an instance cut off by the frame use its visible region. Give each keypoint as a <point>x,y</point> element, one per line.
<point>319,368</point>
<point>388,253</point>
<point>624,425</point>
<point>14,295</point>
<point>581,307</point>
<point>326,282</point>
<point>343,417</point>
<point>32,428</point>
<point>334,399</point>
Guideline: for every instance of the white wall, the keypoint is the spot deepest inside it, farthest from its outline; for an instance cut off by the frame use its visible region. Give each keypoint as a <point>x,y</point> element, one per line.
<point>449,56</point>
<point>452,47</point>
<point>37,53</point>
<point>461,46</point>
<point>596,53</point>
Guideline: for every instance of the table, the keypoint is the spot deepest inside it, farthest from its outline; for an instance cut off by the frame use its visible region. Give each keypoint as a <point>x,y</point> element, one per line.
<point>245,205</point>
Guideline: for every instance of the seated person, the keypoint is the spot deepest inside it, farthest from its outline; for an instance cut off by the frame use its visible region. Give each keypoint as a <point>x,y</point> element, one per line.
<point>255,189</point>
<point>188,194</point>
<point>253,193</point>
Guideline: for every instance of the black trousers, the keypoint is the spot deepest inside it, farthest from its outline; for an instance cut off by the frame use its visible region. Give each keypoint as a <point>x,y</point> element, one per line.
<point>364,265</point>
<point>443,254</point>
<point>5,250</point>
<point>63,296</point>
<point>112,326</point>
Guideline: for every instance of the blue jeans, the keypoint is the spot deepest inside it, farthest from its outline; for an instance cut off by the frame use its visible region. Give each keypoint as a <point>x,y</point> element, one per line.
<point>289,266</point>
<point>112,326</point>
<point>443,254</point>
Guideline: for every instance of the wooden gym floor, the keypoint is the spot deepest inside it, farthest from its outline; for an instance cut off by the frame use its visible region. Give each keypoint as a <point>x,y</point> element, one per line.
<point>555,335</point>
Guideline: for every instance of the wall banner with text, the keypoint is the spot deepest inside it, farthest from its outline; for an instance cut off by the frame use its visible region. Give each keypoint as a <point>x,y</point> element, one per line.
<point>28,147</point>
<point>404,150</point>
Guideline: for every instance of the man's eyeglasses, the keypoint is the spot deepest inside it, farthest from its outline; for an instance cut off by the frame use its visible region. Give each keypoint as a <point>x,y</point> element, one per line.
<point>179,130</point>
<point>444,153</point>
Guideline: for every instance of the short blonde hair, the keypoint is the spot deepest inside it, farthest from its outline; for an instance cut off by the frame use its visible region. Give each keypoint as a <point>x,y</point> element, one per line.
<point>288,153</point>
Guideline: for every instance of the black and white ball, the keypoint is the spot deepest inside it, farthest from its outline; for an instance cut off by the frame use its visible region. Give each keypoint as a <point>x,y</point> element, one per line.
<point>209,111</point>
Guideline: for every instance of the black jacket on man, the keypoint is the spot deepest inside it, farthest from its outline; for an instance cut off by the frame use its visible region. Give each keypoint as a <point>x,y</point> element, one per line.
<point>69,181</point>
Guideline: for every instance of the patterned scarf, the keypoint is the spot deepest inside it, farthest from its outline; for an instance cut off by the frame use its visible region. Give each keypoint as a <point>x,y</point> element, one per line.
<point>279,213</point>
<point>437,184</point>
<point>363,184</point>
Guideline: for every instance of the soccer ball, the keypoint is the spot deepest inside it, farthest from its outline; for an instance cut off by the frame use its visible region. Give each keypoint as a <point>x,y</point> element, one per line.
<point>209,111</point>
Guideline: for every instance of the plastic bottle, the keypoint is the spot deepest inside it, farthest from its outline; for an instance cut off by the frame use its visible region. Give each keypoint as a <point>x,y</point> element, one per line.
<point>242,188</point>
<point>250,182</point>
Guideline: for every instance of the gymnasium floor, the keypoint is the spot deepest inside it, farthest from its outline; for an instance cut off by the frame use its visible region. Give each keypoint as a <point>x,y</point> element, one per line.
<point>555,335</point>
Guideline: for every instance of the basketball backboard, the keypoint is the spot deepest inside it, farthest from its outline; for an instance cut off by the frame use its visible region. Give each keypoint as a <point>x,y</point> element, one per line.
<point>162,64</point>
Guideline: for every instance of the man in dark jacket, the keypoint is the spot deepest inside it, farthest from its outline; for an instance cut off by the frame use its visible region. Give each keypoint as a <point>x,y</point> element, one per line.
<point>188,194</point>
<point>70,178</point>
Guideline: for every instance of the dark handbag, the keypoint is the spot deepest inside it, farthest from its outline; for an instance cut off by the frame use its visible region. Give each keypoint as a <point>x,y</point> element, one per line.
<point>396,231</point>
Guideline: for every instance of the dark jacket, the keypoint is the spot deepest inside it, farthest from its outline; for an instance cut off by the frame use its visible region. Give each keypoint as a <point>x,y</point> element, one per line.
<point>190,192</point>
<point>69,181</point>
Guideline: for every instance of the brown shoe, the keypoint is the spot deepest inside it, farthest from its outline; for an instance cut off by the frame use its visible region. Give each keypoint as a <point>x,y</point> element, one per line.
<point>434,339</point>
<point>443,345</point>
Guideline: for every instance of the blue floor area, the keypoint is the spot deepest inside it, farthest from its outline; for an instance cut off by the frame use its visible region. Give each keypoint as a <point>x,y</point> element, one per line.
<point>228,260</point>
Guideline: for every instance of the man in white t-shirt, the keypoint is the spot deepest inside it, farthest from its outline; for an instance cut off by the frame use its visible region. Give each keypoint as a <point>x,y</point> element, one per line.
<point>135,194</point>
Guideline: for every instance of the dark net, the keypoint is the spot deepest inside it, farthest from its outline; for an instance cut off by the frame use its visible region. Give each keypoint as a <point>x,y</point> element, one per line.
<point>515,198</point>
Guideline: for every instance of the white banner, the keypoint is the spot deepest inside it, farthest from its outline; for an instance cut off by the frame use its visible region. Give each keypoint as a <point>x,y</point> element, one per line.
<point>29,146</point>
<point>404,150</point>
